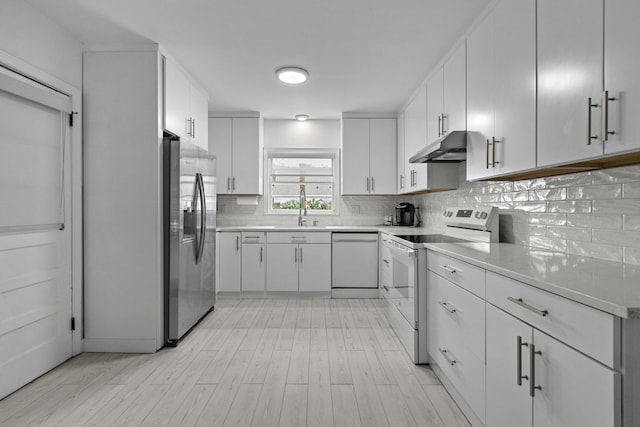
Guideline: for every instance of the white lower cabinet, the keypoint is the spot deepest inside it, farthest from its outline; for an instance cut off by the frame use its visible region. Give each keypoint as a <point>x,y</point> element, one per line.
<point>298,262</point>
<point>253,262</point>
<point>229,262</point>
<point>535,380</point>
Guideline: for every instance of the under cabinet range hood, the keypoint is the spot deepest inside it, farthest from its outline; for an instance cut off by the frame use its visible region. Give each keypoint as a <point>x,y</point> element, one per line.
<point>450,148</point>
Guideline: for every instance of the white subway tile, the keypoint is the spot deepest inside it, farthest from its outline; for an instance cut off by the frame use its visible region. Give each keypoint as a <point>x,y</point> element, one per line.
<point>547,218</point>
<point>530,206</point>
<point>629,239</point>
<point>631,256</point>
<point>558,245</point>
<point>574,179</point>
<point>621,174</point>
<point>608,191</point>
<point>617,207</point>
<point>577,206</point>
<point>595,221</point>
<point>595,250</point>
<point>570,233</point>
<point>632,222</point>
<point>631,190</point>
<point>548,194</point>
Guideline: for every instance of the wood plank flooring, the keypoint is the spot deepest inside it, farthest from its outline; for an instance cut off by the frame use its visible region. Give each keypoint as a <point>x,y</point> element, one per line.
<point>251,362</point>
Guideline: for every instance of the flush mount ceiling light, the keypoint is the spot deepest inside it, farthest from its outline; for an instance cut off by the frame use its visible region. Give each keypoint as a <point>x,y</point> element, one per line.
<point>301,117</point>
<point>292,75</point>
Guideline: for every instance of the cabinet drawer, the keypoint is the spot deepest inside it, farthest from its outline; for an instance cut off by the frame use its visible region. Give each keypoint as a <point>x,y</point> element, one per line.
<point>591,331</point>
<point>463,369</point>
<point>465,275</point>
<point>298,237</point>
<point>457,314</point>
<point>253,237</point>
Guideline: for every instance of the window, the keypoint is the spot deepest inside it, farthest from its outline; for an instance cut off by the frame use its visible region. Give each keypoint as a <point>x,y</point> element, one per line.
<point>296,176</point>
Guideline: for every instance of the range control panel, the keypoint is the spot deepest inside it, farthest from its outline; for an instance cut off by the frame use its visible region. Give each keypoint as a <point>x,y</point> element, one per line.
<point>472,218</point>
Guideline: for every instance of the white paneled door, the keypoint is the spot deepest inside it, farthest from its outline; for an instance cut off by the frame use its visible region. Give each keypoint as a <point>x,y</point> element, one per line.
<point>35,232</point>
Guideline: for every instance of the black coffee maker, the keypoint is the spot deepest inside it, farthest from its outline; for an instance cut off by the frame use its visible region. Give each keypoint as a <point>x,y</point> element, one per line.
<point>405,214</point>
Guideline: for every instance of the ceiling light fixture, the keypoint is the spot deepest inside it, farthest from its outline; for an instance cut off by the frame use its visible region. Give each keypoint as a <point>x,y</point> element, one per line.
<point>292,75</point>
<point>301,117</point>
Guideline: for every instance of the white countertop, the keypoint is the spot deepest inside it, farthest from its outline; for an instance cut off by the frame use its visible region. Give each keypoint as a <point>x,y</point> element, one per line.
<point>605,285</point>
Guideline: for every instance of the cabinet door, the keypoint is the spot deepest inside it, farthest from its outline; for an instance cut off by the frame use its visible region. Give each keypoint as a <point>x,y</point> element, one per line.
<point>199,111</point>
<point>508,404</point>
<point>480,97</point>
<point>229,262</point>
<point>415,137</point>
<point>401,177</point>
<point>253,267</point>
<point>355,156</point>
<point>315,268</point>
<point>575,390</point>
<point>221,144</point>
<point>435,105</point>
<point>176,99</point>
<point>570,49</point>
<point>247,157</point>
<point>515,94</point>
<point>382,156</point>
<point>455,91</point>
<point>622,74</point>
<point>282,269</point>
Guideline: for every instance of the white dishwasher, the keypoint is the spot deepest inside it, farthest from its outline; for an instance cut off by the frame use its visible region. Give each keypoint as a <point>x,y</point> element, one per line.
<point>354,259</point>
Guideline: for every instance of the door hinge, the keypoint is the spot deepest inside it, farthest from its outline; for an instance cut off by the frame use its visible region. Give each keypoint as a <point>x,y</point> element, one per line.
<point>73,323</point>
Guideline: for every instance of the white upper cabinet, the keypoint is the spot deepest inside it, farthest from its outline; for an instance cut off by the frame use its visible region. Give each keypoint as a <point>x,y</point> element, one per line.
<point>501,90</point>
<point>570,76</point>
<point>622,75</point>
<point>369,156</point>
<point>415,138</point>
<point>238,146</point>
<point>401,182</point>
<point>186,106</point>
<point>447,97</point>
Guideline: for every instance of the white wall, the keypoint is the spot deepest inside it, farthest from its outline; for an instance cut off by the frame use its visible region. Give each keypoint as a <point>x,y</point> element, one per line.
<point>292,133</point>
<point>28,35</point>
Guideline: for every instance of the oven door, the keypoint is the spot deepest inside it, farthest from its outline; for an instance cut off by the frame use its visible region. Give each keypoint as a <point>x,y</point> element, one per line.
<point>402,287</point>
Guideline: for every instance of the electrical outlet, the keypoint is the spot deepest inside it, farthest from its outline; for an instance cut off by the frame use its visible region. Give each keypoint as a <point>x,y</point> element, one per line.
<point>355,209</point>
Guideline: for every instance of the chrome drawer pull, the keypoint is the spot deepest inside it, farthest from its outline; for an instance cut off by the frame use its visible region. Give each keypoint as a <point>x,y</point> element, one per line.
<point>445,353</point>
<point>520,344</point>
<point>446,306</point>
<point>532,370</point>
<point>523,304</point>
<point>448,269</point>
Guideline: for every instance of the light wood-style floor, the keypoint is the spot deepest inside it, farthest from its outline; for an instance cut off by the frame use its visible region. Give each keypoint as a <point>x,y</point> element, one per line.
<point>251,362</point>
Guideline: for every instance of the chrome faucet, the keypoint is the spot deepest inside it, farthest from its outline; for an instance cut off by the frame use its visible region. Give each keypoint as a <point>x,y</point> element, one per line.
<point>303,201</point>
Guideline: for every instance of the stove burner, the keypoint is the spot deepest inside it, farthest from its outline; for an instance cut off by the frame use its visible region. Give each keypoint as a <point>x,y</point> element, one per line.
<point>432,238</point>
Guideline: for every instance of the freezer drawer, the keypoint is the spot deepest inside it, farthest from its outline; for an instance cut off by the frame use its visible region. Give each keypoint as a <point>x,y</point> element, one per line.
<point>354,259</point>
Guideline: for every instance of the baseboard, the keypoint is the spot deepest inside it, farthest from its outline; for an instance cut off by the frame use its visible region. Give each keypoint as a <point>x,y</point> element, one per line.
<point>354,293</point>
<point>105,345</point>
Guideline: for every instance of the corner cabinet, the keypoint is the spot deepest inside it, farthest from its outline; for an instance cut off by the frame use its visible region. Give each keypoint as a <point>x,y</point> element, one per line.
<point>238,145</point>
<point>501,91</point>
<point>369,150</point>
<point>186,106</point>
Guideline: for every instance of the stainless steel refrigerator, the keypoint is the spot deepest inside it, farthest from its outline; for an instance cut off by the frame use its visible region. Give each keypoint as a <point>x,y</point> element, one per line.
<point>189,235</point>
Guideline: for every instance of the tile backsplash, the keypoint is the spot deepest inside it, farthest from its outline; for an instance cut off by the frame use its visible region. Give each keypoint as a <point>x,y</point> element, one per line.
<point>594,214</point>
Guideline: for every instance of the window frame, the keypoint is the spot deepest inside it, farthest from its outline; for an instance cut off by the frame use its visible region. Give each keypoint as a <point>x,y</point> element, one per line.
<point>331,153</point>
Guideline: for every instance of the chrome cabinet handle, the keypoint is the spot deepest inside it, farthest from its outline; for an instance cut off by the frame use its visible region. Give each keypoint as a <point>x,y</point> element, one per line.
<point>439,125</point>
<point>193,123</point>
<point>487,154</point>
<point>532,370</point>
<point>373,184</point>
<point>529,307</point>
<point>519,345</point>
<point>590,105</point>
<point>295,255</point>
<point>228,183</point>
<point>448,269</point>
<point>367,184</point>
<point>445,353</point>
<point>605,116</point>
<point>300,255</point>
<point>251,237</point>
<point>237,243</point>
<point>444,116</point>
<point>494,141</point>
<point>233,183</point>
<point>261,254</point>
<point>447,307</point>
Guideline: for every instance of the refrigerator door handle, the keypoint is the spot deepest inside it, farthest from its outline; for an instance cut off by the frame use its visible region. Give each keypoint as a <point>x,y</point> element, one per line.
<point>203,217</point>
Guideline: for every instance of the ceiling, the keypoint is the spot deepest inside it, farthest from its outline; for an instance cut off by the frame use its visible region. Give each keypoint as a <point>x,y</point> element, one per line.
<point>362,55</point>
